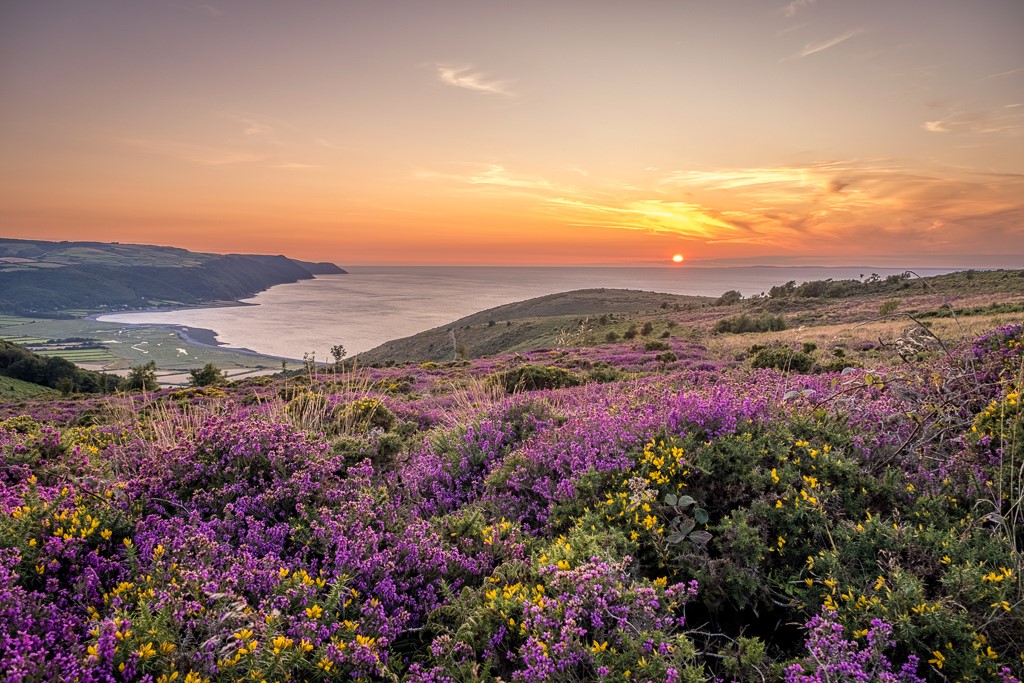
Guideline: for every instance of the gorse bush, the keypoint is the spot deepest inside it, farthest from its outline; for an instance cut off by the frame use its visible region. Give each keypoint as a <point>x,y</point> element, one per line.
<point>534,377</point>
<point>744,323</point>
<point>783,358</point>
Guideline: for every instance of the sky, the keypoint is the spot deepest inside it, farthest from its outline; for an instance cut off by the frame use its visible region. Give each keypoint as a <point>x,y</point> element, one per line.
<point>620,132</point>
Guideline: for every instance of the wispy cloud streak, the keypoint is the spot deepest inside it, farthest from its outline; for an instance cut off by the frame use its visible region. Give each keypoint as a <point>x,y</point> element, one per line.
<point>792,8</point>
<point>815,48</point>
<point>466,78</point>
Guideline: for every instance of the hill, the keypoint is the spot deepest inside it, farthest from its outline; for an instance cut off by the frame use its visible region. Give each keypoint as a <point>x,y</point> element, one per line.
<point>15,389</point>
<point>67,278</point>
<point>819,310</point>
<point>563,319</point>
<point>51,372</point>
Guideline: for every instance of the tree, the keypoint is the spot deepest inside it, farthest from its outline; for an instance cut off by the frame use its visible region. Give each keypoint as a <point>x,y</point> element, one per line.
<point>338,353</point>
<point>207,376</point>
<point>729,298</point>
<point>142,378</point>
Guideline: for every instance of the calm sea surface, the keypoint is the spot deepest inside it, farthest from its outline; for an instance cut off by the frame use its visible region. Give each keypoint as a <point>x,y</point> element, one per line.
<point>372,305</point>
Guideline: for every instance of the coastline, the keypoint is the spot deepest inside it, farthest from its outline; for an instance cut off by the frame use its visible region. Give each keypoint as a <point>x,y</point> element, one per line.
<point>203,338</point>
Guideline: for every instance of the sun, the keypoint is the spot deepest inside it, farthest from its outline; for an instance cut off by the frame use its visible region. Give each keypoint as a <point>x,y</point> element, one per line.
<point>678,258</point>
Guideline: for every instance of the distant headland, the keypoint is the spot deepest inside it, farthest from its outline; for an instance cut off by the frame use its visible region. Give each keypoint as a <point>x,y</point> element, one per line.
<point>69,279</point>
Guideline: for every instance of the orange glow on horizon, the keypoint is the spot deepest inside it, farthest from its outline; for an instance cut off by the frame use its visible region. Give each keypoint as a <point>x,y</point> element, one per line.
<point>430,136</point>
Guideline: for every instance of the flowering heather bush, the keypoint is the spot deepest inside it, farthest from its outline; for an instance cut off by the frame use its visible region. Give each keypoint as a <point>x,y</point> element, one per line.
<point>830,657</point>
<point>666,520</point>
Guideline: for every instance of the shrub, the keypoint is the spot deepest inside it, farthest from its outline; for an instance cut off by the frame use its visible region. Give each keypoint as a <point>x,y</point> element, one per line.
<point>784,359</point>
<point>889,307</point>
<point>206,376</point>
<point>656,346</point>
<point>744,323</point>
<point>142,378</point>
<point>534,377</point>
<point>729,298</point>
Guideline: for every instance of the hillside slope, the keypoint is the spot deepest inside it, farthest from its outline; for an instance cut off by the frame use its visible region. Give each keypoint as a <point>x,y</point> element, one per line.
<point>552,320</point>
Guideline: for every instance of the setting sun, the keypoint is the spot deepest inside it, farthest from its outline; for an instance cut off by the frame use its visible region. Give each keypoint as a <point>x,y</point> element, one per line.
<point>678,258</point>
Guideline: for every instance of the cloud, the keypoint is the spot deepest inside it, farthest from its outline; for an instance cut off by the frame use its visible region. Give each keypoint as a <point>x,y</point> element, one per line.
<point>866,207</point>
<point>859,208</point>
<point>1006,120</point>
<point>260,127</point>
<point>792,8</point>
<point>1001,74</point>
<point>466,78</point>
<point>211,155</point>
<point>494,177</point>
<point>211,10</point>
<point>204,155</point>
<point>814,48</point>
<point>291,165</point>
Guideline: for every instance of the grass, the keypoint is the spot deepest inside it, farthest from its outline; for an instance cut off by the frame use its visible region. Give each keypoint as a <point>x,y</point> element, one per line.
<point>22,340</point>
<point>76,355</point>
<point>14,389</point>
<point>8,320</point>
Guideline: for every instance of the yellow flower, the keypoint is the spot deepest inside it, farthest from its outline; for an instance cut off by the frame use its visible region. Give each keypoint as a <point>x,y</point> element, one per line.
<point>146,651</point>
<point>314,612</point>
<point>599,647</point>
<point>281,643</point>
<point>937,659</point>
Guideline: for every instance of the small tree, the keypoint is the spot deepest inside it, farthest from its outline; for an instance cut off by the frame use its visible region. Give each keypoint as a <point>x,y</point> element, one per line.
<point>207,376</point>
<point>338,353</point>
<point>729,298</point>
<point>142,378</point>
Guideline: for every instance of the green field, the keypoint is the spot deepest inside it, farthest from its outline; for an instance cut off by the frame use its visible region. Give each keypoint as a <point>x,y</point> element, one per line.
<point>22,341</point>
<point>8,320</point>
<point>79,355</point>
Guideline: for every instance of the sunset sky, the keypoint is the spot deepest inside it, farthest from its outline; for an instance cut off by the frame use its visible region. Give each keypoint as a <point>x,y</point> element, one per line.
<point>886,132</point>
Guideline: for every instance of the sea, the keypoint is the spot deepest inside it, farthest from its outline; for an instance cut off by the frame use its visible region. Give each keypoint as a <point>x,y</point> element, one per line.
<point>374,304</point>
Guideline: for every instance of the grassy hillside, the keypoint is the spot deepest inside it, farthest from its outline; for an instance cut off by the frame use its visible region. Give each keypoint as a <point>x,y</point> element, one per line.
<point>557,320</point>
<point>15,390</point>
<point>839,314</point>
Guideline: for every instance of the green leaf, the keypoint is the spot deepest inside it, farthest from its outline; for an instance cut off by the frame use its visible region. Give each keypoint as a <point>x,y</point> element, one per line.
<point>671,499</point>
<point>701,515</point>
<point>700,537</point>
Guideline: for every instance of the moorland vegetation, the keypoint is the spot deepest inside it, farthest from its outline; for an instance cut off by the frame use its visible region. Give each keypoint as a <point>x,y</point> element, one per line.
<point>660,509</point>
